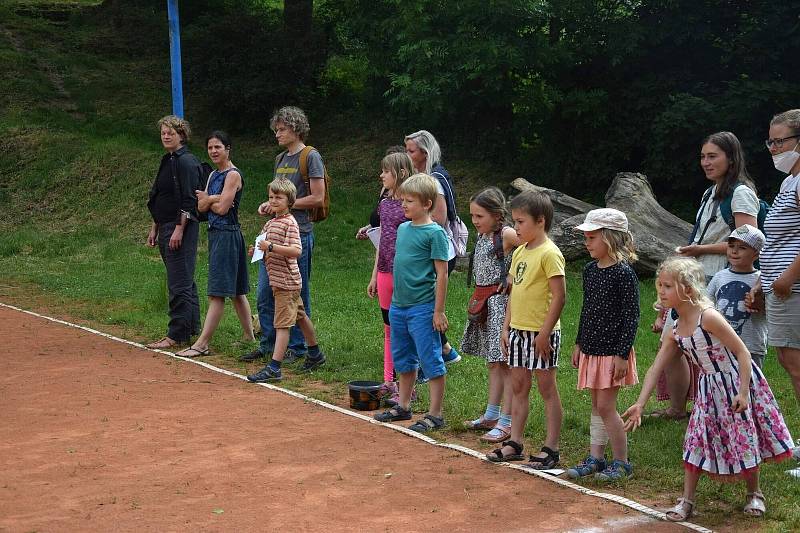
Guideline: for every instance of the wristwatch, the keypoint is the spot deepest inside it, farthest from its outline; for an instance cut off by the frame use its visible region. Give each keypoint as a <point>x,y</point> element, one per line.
<point>269,248</point>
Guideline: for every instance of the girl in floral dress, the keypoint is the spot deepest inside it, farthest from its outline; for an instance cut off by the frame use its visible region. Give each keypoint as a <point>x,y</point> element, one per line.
<point>735,423</point>
<point>491,259</point>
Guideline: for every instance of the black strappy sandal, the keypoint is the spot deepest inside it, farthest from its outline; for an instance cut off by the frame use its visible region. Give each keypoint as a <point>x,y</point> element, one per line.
<point>544,463</point>
<point>496,456</point>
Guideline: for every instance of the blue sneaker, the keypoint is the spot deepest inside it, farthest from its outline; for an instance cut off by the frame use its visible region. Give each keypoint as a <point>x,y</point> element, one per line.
<point>615,471</point>
<point>587,467</point>
<point>452,357</point>
<point>264,375</point>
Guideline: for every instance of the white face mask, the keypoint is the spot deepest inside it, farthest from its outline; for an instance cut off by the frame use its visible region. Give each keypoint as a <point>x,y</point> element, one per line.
<point>785,161</point>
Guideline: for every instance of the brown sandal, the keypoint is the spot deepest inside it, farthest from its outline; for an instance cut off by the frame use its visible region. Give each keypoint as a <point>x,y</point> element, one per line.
<point>163,342</point>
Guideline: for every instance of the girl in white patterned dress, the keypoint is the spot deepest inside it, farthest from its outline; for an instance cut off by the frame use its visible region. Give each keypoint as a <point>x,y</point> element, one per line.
<point>735,423</point>
<point>491,259</point>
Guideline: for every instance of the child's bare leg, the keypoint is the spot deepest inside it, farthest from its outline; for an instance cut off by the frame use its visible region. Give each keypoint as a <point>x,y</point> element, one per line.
<point>307,327</point>
<point>405,387</point>
<point>607,409</point>
<point>752,483</point>
<point>281,342</point>
<point>597,448</point>
<point>546,383</point>
<point>436,389</point>
<point>690,479</point>
<point>496,382</point>
<point>508,389</point>
<point>521,387</point>
<point>216,306</point>
<point>679,378</point>
<point>242,307</point>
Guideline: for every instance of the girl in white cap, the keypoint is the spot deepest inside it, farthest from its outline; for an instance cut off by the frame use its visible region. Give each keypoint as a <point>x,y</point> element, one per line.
<point>603,351</point>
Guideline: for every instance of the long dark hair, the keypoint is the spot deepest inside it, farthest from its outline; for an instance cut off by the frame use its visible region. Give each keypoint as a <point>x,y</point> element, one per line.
<point>737,166</point>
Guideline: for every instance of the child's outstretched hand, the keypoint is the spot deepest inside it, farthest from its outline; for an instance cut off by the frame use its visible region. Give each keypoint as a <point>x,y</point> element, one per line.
<point>740,402</point>
<point>634,417</point>
<point>620,368</point>
<point>576,354</point>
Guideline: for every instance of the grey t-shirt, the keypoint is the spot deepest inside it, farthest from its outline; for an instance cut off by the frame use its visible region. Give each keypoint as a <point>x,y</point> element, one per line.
<point>728,289</point>
<point>289,167</point>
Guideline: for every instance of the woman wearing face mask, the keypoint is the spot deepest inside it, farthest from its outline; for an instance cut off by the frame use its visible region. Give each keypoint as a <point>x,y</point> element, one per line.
<point>723,163</point>
<point>780,257</point>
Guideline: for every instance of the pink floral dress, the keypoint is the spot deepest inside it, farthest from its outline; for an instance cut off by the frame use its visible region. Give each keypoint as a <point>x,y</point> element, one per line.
<point>718,441</point>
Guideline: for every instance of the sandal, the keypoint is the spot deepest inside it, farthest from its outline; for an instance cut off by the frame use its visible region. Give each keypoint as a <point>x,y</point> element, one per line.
<point>496,456</point>
<point>163,342</point>
<point>427,423</point>
<point>544,463</point>
<point>481,423</point>
<point>394,414</point>
<point>496,434</point>
<point>192,352</point>
<point>667,414</point>
<point>683,510</point>
<point>756,504</point>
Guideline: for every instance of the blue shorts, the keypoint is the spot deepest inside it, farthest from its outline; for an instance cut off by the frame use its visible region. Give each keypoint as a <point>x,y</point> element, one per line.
<point>414,341</point>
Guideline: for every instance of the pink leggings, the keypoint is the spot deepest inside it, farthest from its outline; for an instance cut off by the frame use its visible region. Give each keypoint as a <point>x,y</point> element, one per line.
<point>385,285</point>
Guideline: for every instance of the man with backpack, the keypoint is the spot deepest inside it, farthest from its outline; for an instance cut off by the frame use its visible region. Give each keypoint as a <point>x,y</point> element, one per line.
<point>303,166</point>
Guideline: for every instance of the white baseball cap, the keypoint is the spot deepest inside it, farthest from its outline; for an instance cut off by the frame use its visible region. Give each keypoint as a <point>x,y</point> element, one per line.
<point>750,235</point>
<point>604,218</point>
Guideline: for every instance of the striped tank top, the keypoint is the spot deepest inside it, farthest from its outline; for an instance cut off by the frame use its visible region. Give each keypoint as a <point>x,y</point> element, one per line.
<point>782,228</point>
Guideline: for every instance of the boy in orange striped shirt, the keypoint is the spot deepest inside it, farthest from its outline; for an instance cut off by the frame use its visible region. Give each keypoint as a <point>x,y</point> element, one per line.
<point>282,247</point>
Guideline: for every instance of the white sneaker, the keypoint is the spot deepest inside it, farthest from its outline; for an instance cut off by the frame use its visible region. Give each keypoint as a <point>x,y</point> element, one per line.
<point>794,472</point>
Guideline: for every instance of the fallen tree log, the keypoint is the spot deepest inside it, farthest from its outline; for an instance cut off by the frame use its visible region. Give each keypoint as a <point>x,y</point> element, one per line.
<point>656,232</point>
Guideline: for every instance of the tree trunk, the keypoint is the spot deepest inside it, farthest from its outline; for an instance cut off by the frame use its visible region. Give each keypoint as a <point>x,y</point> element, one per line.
<point>656,232</point>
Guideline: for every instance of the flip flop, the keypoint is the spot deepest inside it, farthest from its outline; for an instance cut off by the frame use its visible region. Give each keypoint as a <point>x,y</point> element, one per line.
<point>192,352</point>
<point>163,342</point>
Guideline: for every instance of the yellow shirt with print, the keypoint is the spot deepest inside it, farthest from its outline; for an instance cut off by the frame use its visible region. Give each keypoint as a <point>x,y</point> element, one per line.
<point>530,294</point>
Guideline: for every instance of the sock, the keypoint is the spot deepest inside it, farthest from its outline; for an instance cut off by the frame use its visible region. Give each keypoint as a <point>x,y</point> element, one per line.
<point>313,351</point>
<point>275,365</point>
<point>492,412</point>
<point>505,420</point>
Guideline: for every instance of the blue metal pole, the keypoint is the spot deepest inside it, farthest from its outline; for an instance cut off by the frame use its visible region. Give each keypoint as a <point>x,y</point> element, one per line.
<point>175,57</point>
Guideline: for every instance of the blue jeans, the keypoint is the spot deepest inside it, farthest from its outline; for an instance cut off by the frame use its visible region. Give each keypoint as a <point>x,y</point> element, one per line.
<point>266,302</point>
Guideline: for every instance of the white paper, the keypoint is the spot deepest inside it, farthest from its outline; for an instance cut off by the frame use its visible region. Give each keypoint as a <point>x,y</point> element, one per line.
<point>258,254</point>
<point>374,235</point>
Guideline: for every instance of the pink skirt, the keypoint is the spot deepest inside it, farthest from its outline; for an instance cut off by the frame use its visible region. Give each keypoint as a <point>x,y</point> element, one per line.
<point>597,372</point>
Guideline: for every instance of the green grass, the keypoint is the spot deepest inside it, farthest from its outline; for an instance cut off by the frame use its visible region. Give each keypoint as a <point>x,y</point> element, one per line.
<point>75,174</point>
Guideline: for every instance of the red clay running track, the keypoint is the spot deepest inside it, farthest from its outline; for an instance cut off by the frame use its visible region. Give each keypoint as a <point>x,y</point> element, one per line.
<point>96,435</point>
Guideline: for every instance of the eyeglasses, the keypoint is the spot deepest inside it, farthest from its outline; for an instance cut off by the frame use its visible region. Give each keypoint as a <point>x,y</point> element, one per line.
<point>778,143</point>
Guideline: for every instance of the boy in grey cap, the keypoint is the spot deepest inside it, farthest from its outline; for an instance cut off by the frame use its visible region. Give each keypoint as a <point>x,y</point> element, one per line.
<point>729,287</point>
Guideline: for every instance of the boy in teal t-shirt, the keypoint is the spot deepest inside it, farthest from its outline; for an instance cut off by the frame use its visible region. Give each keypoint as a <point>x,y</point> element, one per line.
<point>418,298</point>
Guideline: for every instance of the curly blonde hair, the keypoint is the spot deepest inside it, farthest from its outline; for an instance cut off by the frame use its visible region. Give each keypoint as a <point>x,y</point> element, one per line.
<point>690,277</point>
<point>181,126</point>
<point>620,245</point>
<point>293,118</point>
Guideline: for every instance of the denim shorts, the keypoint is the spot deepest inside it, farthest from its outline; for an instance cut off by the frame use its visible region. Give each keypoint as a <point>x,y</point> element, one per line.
<point>783,320</point>
<point>414,341</point>
<point>227,264</point>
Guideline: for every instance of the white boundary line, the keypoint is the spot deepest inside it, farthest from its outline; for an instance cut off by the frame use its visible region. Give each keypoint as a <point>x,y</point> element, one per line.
<point>462,449</point>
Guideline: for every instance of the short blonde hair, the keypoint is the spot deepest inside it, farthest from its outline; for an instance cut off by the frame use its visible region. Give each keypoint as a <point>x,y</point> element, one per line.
<point>181,126</point>
<point>423,187</point>
<point>620,245</point>
<point>284,186</point>
<point>688,273</point>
